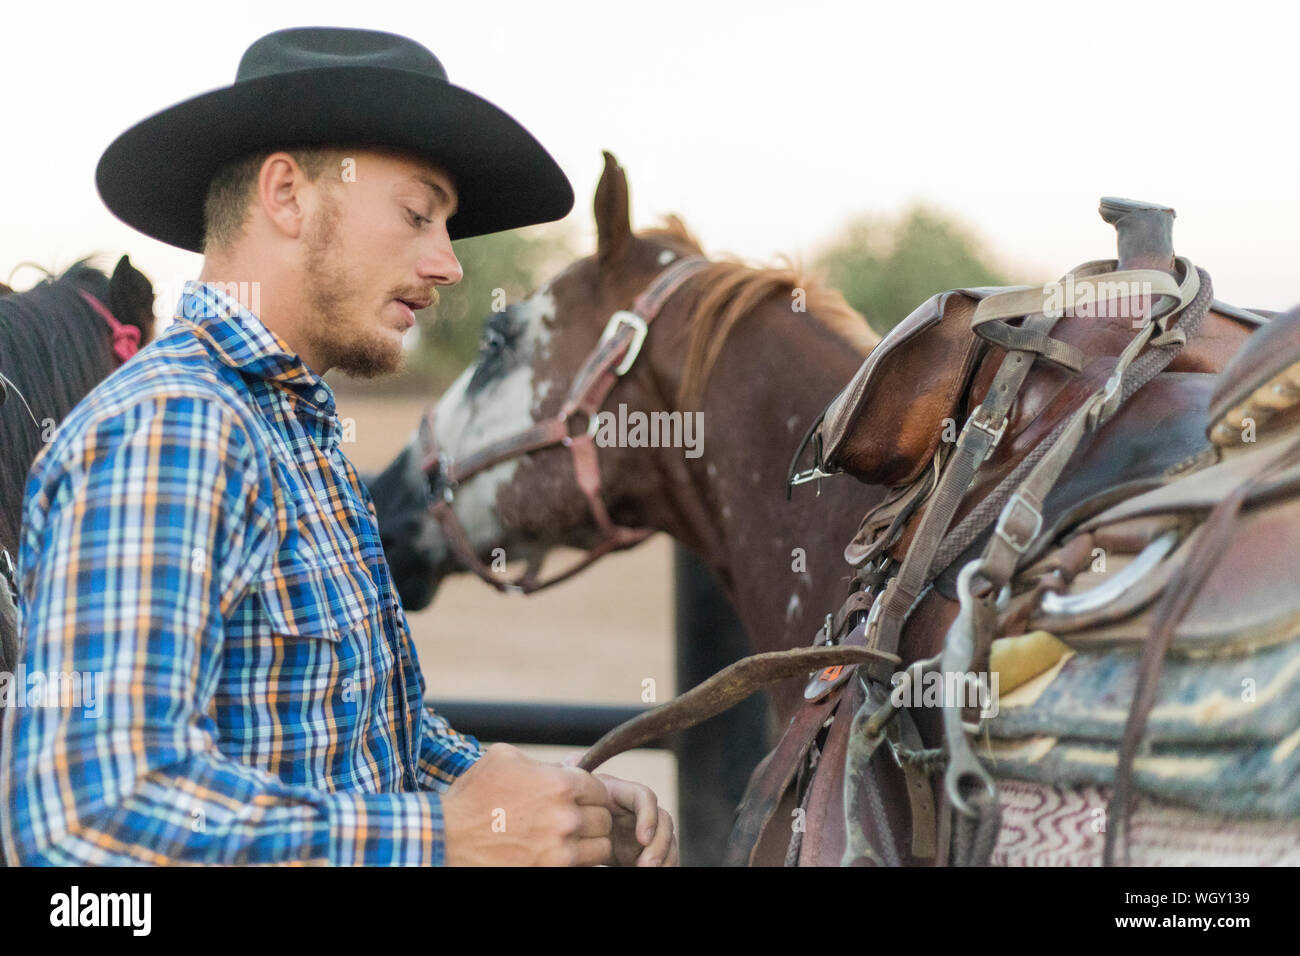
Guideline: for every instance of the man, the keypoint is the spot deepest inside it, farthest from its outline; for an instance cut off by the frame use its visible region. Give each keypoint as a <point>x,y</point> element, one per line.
<point>195,539</point>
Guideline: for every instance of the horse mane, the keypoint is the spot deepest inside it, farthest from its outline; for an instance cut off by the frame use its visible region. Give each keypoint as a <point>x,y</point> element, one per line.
<point>55,348</point>
<point>733,288</point>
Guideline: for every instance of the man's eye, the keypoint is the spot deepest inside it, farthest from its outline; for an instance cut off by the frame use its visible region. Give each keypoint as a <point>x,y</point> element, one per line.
<point>417,219</point>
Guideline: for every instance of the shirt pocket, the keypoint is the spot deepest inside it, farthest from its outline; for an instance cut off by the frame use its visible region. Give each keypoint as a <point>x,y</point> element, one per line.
<point>311,601</point>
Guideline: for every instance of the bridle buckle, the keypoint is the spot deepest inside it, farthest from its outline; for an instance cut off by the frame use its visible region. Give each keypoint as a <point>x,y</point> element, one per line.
<point>638,326</point>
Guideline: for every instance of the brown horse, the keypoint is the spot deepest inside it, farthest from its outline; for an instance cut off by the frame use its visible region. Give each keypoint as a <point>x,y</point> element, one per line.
<point>788,342</point>
<point>524,496</point>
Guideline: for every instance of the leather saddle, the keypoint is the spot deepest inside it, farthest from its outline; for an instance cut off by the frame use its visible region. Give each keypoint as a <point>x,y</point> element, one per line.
<point>1092,571</point>
<point>923,374</point>
<point>929,358</point>
<point>1220,730</point>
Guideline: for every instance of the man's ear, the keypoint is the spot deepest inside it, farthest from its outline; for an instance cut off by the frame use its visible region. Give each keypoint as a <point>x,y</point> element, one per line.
<point>280,184</point>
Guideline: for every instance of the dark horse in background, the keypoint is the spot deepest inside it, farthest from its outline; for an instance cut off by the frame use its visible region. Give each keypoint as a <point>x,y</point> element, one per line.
<point>58,340</point>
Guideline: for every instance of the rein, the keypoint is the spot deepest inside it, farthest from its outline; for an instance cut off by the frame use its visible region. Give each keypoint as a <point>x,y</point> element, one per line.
<point>615,353</point>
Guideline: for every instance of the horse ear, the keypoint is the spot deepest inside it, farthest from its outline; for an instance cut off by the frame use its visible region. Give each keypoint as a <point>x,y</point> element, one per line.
<point>613,220</point>
<point>130,296</point>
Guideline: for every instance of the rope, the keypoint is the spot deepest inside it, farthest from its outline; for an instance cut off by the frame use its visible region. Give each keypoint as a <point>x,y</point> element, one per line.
<point>929,761</point>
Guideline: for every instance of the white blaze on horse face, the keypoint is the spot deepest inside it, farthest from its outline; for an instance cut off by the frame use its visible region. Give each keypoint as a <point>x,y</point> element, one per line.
<point>466,423</point>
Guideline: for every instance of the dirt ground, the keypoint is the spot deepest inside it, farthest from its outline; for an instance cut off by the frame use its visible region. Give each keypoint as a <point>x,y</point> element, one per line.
<point>592,639</point>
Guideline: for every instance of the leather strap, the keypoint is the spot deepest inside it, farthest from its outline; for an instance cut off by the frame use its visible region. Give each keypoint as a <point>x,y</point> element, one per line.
<point>892,515</point>
<point>1044,346</point>
<point>1022,516</point>
<point>1084,287</point>
<point>1174,603</point>
<point>920,795</point>
<point>976,442</point>
<point>723,690</point>
<point>770,782</point>
<point>1021,519</point>
<point>971,635</point>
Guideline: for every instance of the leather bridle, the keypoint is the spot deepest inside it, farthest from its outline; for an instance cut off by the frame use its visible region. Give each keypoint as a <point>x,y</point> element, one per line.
<point>613,356</point>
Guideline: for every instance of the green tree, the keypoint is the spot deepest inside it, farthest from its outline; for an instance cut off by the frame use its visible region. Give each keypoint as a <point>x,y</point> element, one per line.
<point>887,267</point>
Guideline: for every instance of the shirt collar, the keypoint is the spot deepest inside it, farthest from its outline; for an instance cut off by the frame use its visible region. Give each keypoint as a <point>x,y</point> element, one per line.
<point>240,340</point>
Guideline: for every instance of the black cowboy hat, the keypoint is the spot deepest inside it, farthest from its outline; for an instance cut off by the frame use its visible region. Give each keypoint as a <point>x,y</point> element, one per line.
<point>328,86</point>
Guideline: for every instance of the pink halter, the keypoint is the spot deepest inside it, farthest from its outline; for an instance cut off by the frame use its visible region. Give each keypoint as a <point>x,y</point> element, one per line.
<point>126,338</point>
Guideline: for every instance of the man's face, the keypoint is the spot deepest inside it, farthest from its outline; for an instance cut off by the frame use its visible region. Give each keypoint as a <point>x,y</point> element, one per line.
<point>375,251</point>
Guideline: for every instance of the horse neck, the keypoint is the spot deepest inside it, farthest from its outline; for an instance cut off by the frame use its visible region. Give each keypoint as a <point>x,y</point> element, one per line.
<point>42,330</point>
<point>779,561</point>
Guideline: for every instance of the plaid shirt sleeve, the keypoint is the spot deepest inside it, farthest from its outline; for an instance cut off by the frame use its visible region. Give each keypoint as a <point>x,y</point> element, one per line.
<point>141,535</point>
<point>444,753</point>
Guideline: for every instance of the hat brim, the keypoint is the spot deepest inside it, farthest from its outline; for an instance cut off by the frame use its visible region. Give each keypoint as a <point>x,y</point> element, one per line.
<point>155,176</point>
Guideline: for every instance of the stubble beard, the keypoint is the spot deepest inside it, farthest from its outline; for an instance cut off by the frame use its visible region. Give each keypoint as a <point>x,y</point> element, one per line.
<point>334,326</point>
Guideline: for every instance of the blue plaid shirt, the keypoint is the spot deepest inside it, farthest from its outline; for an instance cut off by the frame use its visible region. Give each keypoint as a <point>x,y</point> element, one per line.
<point>216,667</point>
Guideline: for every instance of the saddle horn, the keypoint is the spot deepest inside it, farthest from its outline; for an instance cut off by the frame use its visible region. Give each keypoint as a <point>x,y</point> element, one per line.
<point>1145,232</point>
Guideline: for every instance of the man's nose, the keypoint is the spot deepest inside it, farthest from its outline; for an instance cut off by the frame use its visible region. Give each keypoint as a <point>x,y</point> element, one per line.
<point>440,263</point>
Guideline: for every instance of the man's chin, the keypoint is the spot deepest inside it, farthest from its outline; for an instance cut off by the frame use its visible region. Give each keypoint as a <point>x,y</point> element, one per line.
<point>371,360</point>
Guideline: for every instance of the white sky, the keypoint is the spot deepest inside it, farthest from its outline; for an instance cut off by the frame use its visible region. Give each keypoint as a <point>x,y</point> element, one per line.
<point>766,125</point>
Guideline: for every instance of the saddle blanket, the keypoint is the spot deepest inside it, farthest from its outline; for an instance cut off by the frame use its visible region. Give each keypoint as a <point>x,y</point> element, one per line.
<point>1223,736</point>
<point>1050,826</point>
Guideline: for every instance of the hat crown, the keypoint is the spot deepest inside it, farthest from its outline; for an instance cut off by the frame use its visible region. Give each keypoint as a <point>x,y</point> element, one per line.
<point>314,48</point>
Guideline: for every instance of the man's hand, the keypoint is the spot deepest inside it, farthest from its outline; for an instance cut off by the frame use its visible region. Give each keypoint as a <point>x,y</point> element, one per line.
<point>511,810</point>
<point>643,833</point>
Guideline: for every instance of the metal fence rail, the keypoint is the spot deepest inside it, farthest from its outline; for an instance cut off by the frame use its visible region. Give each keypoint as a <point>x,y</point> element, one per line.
<point>714,760</point>
<point>556,724</point>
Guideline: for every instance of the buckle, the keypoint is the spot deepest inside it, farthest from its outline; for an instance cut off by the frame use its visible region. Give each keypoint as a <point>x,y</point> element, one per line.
<point>826,633</point>
<point>816,472</point>
<point>872,627</point>
<point>812,474</point>
<point>1104,402</point>
<point>994,433</point>
<point>1005,519</point>
<point>638,326</point>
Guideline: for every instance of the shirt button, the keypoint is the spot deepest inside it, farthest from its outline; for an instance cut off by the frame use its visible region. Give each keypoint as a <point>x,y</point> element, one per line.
<point>321,395</point>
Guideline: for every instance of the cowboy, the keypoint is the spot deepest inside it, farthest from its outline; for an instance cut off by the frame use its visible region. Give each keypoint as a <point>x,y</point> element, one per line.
<point>195,535</point>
